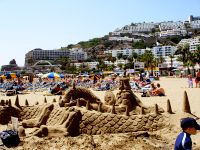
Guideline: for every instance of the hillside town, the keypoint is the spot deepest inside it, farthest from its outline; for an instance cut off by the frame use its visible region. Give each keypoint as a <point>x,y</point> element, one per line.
<point>125,50</point>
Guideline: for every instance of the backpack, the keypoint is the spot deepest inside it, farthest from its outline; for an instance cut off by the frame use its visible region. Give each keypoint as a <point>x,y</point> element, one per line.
<point>10,138</point>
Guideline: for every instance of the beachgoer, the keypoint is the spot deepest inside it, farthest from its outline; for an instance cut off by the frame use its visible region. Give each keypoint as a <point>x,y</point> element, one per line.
<point>152,90</point>
<point>159,91</point>
<point>183,140</point>
<point>190,81</point>
<point>56,90</point>
<point>197,78</point>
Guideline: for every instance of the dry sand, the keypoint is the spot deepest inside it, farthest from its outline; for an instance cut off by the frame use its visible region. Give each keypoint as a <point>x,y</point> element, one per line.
<point>174,88</point>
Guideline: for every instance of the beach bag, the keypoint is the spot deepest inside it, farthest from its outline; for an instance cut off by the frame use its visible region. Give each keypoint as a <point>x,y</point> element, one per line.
<point>10,138</point>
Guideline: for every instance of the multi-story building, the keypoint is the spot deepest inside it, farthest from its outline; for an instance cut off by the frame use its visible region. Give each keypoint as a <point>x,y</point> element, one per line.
<point>163,51</point>
<point>193,43</point>
<point>195,24</point>
<point>192,18</point>
<point>140,51</point>
<point>173,32</point>
<point>77,54</point>
<point>114,53</point>
<point>170,25</point>
<point>38,54</point>
<point>125,38</point>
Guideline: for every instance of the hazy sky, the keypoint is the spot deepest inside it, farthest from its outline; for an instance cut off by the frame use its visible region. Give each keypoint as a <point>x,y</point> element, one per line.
<point>51,24</point>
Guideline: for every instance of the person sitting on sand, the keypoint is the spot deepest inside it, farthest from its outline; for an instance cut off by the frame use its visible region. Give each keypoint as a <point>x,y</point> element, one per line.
<point>152,90</point>
<point>159,91</point>
<point>56,90</point>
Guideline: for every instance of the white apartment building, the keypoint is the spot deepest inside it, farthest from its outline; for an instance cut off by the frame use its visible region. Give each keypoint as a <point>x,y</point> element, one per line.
<point>193,43</point>
<point>52,55</point>
<point>195,24</point>
<point>173,32</point>
<point>120,61</point>
<point>140,51</point>
<point>114,53</point>
<point>125,38</point>
<point>164,26</point>
<point>163,51</point>
<point>139,27</point>
<point>91,65</point>
<point>77,54</point>
<point>109,63</point>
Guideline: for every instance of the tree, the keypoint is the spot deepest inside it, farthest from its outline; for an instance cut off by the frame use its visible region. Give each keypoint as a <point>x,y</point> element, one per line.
<point>125,57</point>
<point>12,62</point>
<point>184,55</point>
<point>113,59</point>
<point>171,61</point>
<point>119,55</point>
<point>148,59</point>
<point>135,56</point>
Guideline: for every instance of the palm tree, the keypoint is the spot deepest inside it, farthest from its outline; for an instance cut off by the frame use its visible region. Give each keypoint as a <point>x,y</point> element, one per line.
<point>184,55</point>
<point>119,55</point>
<point>171,61</point>
<point>148,59</point>
<point>135,56</point>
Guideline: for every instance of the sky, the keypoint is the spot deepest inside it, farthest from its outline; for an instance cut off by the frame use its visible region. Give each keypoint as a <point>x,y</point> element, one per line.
<point>52,24</point>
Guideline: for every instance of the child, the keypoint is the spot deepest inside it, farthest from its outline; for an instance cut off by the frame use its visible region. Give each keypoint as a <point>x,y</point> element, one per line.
<point>183,140</point>
<point>190,82</point>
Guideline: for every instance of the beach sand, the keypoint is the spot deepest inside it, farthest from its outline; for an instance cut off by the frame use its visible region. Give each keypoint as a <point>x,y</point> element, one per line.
<point>174,88</point>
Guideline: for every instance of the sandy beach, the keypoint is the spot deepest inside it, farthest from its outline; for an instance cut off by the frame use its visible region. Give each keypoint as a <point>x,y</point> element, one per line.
<point>174,88</point>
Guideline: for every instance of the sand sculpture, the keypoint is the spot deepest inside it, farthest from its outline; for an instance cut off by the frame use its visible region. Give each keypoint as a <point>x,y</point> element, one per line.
<point>80,111</point>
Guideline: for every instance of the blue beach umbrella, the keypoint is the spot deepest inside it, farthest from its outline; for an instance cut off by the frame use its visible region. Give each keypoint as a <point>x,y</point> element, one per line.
<point>51,75</point>
<point>61,75</point>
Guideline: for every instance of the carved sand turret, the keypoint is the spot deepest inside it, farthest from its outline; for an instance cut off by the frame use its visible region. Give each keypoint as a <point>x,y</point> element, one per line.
<point>54,100</point>
<point>127,111</point>
<point>156,109</point>
<point>126,97</point>
<point>113,109</point>
<point>45,100</point>
<point>186,104</point>
<point>26,102</point>
<point>142,111</point>
<point>41,120</point>
<point>2,102</point>
<point>17,102</point>
<point>9,103</point>
<point>78,102</point>
<point>6,102</point>
<point>99,107</point>
<point>88,105</point>
<point>169,108</point>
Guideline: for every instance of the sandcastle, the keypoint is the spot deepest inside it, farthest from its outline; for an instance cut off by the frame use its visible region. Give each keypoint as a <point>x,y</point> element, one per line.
<point>80,111</point>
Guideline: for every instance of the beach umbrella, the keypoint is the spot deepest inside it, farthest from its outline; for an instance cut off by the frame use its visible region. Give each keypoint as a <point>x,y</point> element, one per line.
<point>94,77</point>
<point>3,76</point>
<point>11,75</point>
<point>61,75</point>
<point>51,75</point>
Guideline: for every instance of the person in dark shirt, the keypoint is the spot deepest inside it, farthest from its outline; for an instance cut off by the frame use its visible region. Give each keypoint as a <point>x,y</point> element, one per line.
<point>183,140</point>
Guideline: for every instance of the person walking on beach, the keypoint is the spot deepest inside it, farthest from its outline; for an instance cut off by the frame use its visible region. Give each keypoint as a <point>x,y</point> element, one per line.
<point>183,140</point>
<point>197,78</point>
<point>190,81</point>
